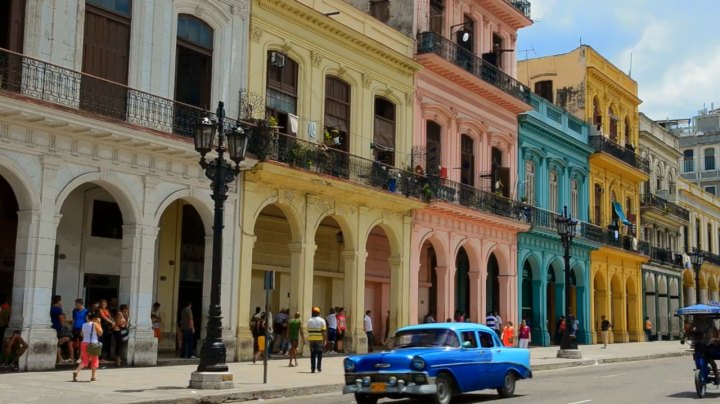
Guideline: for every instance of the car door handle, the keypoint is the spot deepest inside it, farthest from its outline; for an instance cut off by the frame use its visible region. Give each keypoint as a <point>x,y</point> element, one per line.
<point>498,350</point>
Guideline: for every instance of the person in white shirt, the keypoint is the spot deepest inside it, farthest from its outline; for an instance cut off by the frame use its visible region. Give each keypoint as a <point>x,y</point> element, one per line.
<point>332,331</point>
<point>369,330</point>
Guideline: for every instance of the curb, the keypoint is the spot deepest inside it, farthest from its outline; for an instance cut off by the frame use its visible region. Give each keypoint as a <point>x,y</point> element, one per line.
<point>272,393</point>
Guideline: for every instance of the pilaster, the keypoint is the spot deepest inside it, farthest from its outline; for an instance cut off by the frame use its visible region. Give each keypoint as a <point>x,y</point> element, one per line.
<point>355,338</point>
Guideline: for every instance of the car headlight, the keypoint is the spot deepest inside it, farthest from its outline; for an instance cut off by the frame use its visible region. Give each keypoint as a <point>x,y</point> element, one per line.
<point>417,363</point>
<point>349,365</point>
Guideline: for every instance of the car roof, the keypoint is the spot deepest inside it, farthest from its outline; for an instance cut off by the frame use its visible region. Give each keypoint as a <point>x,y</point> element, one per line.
<point>445,326</point>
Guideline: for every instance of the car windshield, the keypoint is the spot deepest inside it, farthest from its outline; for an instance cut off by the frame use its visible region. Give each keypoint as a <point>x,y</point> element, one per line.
<point>426,338</point>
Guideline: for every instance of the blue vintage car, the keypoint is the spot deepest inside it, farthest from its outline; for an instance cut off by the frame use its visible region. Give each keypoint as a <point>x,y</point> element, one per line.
<point>438,360</point>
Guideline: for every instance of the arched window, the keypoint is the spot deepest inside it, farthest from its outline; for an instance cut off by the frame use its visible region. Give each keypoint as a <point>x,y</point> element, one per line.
<point>709,159</point>
<point>629,140</point>
<point>530,181</point>
<point>433,148</point>
<point>193,67</point>
<point>574,198</point>
<point>613,125</point>
<point>597,118</point>
<point>281,91</point>
<point>437,15</point>
<point>499,174</point>
<point>688,161</point>
<point>467,160</point>
<point>658,178</point>
<point>337,110</point>
<point>597,208</point>
<point>384,131</point>
<point>553,192</point>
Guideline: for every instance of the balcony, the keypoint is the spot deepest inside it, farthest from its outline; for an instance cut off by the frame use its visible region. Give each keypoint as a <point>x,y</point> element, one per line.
<point>76,91</point>
<point>605,145</point>
<point>522,6</point>
<point>666,256</point>
<point>649,201</point>
<point>545,220</point>
<point>711,258</point>
<point>478,199</point>
<point>434,43</point>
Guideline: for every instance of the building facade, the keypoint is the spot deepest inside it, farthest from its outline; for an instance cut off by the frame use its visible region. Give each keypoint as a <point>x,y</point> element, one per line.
<point>101,190</point>
<point>664,225</point>
<point>591,88</point>
<point>699,145</point>
<point>328,209</point>
<point>464,244</point>
<point>553,171</point>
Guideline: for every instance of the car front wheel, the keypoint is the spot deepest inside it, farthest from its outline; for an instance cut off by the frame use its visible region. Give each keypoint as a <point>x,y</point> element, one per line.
<point>445,386</point>
<point>508,387</point>
<point>365,399</point>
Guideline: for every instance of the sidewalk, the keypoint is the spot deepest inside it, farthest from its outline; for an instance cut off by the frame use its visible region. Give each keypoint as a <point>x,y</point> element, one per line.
<point>168,384</point>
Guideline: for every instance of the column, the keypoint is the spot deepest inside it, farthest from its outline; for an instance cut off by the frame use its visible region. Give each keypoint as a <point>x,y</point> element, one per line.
<point>137,262</point>
<point>539,320</point>
<point>399,293</point>
<point>301,279</point>
<point>476,297</point>
<point>243,336</point>
<point>449,292</point>
<point>355,338</point>
<point>443,308</point>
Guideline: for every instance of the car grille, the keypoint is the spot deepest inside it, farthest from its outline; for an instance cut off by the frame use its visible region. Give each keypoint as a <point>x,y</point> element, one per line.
<point>417,378</point>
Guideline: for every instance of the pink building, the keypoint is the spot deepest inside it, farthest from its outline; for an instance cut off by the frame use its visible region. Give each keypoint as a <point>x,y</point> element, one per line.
<point>464,245</point>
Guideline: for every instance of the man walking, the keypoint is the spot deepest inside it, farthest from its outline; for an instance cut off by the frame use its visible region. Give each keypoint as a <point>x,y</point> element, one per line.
<point>368,326</point>
<point>316,337</point>
<point>490,320</point>
<point>648,329</point>
<point>188,331</point>
<point>604,330</point>
<point>332,331</point>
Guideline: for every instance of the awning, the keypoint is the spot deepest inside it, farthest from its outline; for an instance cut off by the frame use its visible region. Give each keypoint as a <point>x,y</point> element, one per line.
<point>620,214</point>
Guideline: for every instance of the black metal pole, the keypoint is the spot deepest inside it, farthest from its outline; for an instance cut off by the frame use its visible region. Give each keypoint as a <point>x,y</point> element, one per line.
<point>212,356</point>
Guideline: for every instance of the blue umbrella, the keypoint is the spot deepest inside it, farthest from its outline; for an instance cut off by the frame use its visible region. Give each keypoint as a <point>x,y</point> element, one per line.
<point>699,309</point>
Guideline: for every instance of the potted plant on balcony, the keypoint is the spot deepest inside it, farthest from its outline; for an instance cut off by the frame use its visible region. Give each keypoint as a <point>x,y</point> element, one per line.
<point>332,136</point>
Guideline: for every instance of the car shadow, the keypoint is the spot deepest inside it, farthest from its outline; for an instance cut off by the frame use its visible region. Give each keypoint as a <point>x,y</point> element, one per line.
<point>693,395</point>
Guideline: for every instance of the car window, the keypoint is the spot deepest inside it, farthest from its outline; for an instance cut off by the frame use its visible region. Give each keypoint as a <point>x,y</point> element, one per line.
<point>426,338</point>
<point>486,340</point>
<point>469,339</point>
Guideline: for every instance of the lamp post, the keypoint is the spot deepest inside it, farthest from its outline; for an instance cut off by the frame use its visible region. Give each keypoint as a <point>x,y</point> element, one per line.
<point>696,258</point>
<point>566,227</point>
<point>212,372</point>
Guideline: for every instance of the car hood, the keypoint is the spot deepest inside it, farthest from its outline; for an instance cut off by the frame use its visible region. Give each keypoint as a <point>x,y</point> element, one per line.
<point>395,360</point>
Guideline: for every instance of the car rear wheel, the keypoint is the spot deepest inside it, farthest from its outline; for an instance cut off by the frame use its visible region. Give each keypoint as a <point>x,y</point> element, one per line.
<point>508,387</point>
<point>445,388</point>
<point>365,399</point>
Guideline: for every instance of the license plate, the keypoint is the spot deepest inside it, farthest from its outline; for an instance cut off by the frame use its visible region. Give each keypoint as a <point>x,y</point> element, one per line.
<point>377,387</point>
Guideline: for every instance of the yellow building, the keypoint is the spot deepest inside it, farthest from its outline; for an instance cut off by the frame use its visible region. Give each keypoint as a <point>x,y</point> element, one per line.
<point>589,86</point>
<point>703,233</point>
<point>328,208</point>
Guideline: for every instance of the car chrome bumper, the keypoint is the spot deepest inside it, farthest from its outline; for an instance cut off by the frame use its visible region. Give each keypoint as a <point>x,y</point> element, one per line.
<point>419,389</point>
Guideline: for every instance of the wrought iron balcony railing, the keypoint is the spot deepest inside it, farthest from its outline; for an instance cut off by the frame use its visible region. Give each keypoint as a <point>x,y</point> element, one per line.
<point>713,259</point>
<point>478,199</point>
<point>546,220</point>
<point>79,91</point>
<point>667,208</point>
<point>522,6</point>
<point>666,256</point>
<point>605,145</point>
<point>431,42</point>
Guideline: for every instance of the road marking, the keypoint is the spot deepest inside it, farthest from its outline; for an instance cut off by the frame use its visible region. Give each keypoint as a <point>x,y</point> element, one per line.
<point>619,374</point>
<point>580,402</point>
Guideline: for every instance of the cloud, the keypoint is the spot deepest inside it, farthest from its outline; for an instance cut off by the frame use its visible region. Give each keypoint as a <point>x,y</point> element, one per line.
<point>541,8</point>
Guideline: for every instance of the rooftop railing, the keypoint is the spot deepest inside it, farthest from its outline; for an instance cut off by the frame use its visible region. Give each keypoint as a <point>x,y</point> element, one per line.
<point>522,6</point>
<point>432,42</point>
<point>605,145</point>
<point>668,208</point>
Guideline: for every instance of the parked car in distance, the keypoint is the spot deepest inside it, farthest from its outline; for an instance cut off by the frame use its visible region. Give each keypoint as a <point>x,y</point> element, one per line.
<point>438,360</point>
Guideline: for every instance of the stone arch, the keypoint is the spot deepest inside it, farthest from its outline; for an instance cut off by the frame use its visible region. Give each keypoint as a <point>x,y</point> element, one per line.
<point>502,258</point>
<point>390,233</point>
<point>26,198</point>
<point>557,265</point>
<point>203,209</point>
<point>291,214</point>
<point>688,278</point>
<point>441,249</point>
<point>534,261</point>
<point>649,282</point>
<point>349,234</point>
<point>438,113</point>
<point>123,197</point>
<point>473,251</point>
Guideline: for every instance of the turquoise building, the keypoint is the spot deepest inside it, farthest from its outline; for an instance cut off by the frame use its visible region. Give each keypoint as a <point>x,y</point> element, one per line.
<point>553,176</point>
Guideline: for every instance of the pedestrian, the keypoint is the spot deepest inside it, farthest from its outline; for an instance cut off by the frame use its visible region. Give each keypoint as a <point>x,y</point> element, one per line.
<point>498,324</point>
<point>331,320</point>
<point>295,334</point>
<point>14,347</point>
<point>368,327</point>
<point>121,332</point>
<point>187,325</point>
<point>79,315</point>
<point>387,328</point>
<point>648,329</point>
<point>156,321</point>
<point>342,328</point>
<point>63,332</point>
<point>4,320</point>
<point>559,330</point>
<point>107,323</point>
<point>90,331</point>
<point>254,328</point>
<point>508,335</point>
<point>604,330</point>
<point>429,318</point>
<point>524,335</point>
<point>261,331</point>
<point>317,332</point>
<point>490,320</point>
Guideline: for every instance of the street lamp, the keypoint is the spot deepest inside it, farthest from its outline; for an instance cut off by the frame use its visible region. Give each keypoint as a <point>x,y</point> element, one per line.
<point>212,372</point>
<point>696,258</point>
<point>566,227</point>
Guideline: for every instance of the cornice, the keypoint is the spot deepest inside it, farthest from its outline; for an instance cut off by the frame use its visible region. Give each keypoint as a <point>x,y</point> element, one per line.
<point>561,137</point>
<point>594,73</point>
<point>332,30</point>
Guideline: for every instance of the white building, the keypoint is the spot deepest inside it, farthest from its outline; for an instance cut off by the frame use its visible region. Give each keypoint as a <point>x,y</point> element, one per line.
<point>101,194</point>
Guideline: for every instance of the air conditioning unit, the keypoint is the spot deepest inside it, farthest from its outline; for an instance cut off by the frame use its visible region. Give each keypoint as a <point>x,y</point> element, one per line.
<point>277,59</point>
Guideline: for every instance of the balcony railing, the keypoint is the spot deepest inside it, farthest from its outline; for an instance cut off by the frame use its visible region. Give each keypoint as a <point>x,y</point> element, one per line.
<point>666,256</point>
<point>710,257</point>
<point>668,208</point>
<point>522,6</point>
<point>478,199</point>
<point>546,220</point>
<point>431,42</point>
<point>78,91</point>
<point>603,144</point>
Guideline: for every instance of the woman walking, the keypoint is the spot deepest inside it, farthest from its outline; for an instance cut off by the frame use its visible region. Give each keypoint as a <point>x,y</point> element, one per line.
<point>121,332</point>
<point>90,332</point>
<point>524,335</point>
<point>342,327</point>
<point>295,334</point>
<point>508,334</point>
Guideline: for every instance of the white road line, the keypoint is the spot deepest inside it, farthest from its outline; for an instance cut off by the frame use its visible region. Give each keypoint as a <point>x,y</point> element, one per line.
<point>580,402</point>
<point>619,374</point>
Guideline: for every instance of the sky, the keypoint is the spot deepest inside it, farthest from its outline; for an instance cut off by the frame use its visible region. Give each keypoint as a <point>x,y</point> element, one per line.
<point>675,46</point>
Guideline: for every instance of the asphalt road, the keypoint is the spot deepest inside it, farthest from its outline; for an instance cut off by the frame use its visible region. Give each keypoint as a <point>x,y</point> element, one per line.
<point>651,381</point>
